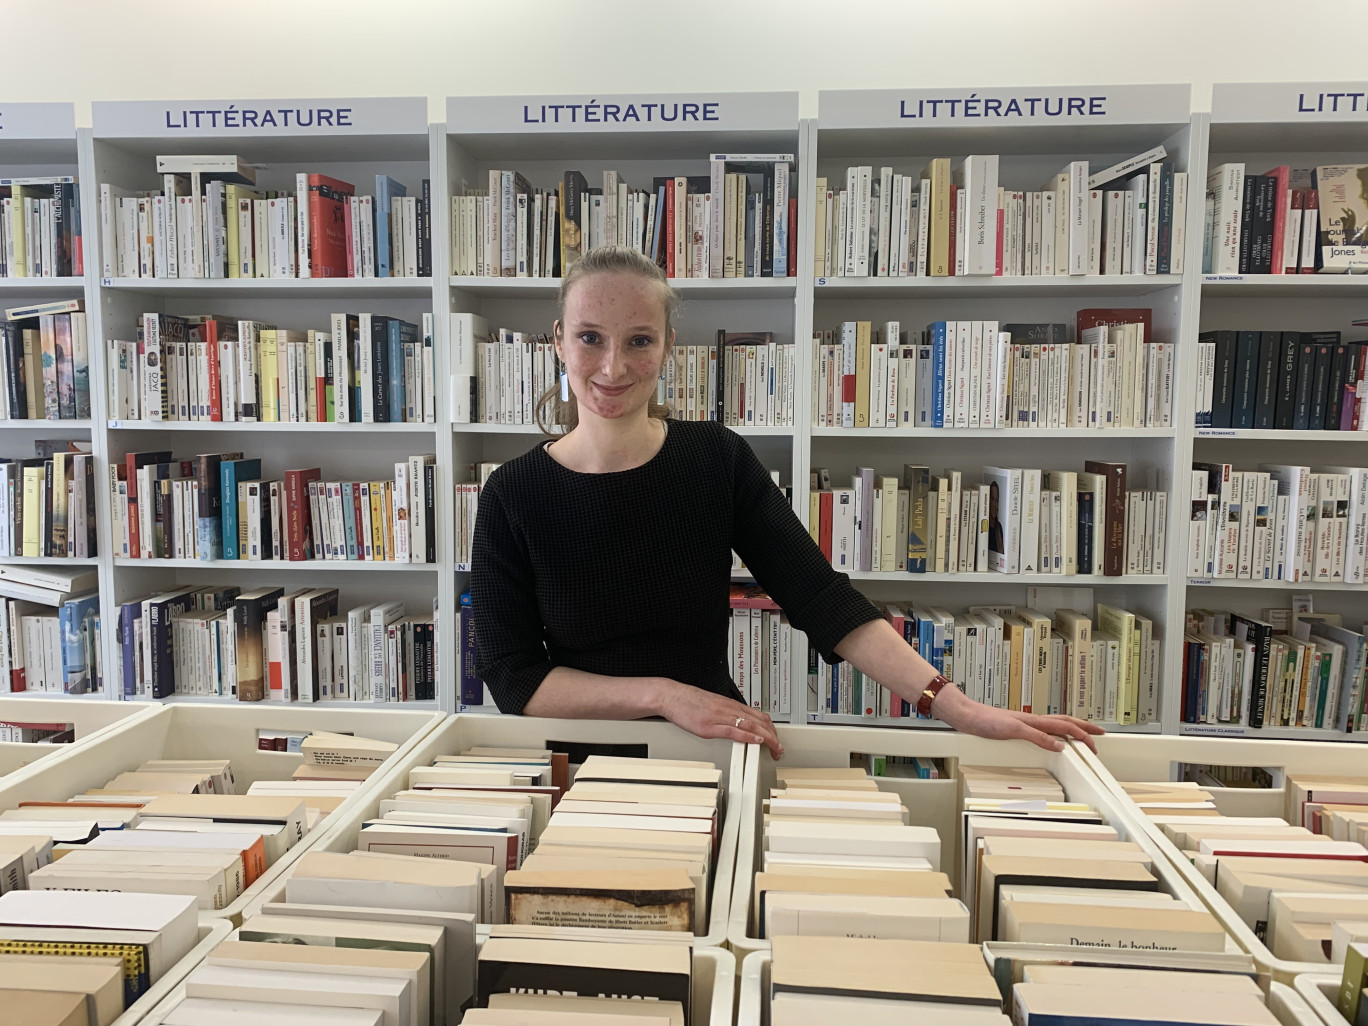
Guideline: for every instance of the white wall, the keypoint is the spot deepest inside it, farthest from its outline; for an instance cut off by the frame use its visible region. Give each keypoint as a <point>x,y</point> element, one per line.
<point>81,50</point>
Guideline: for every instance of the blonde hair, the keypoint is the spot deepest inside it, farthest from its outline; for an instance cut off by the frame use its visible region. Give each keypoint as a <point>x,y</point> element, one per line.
<point>554,412</point>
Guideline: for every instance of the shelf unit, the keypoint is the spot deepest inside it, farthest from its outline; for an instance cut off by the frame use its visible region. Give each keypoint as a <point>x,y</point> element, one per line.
<point>492,133</point>
<point>1264,124</point>
<point>390,136</point>
<point>871,127</point>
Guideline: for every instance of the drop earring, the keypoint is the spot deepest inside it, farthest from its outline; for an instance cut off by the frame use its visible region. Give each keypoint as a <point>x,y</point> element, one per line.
<point>565,387</point>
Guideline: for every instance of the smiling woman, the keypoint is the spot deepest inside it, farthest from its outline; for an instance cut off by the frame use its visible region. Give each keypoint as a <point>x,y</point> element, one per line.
<point>602,558</point>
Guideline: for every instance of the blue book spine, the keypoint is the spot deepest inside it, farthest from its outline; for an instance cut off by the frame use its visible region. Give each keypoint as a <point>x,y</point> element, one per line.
<point>781,233</point>
<point>230,473</point>
<point>938,374</point>
<point>386,189</point>
<point>396,368</point>
<point>72,625</point>
<point>835,670</point>
<point>472,687</point>
<point>129,615</point>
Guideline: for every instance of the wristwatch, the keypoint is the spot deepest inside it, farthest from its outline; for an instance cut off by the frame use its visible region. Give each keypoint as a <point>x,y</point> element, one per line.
<point>931,690</point>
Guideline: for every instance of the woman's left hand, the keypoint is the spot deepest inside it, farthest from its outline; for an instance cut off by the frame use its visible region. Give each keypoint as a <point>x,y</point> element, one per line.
<point>953,707</point>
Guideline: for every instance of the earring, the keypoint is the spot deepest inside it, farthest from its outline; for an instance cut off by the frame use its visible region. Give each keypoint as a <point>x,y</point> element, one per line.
<point>565,387</point>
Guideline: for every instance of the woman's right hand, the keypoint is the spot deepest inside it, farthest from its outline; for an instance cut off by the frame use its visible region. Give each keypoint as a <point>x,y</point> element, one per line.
<point>707,715</point>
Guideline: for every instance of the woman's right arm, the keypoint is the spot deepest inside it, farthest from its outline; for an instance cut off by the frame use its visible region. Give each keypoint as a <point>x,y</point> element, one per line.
<point>512,660</point>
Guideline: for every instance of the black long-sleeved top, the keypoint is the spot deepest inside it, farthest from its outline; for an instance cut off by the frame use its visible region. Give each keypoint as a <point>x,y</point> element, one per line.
<point>628,573</point>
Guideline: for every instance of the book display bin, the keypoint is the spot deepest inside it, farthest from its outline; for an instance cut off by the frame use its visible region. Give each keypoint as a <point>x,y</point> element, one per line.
<point>90,720</point>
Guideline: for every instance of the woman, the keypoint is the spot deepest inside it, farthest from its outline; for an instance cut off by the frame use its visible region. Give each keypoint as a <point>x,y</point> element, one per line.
<point>601,560</point>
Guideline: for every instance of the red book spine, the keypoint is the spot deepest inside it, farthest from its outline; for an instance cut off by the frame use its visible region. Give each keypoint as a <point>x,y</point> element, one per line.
<point>134,537</point>
<point>824,508</point>
<point>1280,204</point>
<point>298,525</point>
<point>1114,512</point>
<point>1297,198</point>
<point>329,228</point>
<point>793,237</point>
<point>211,344</point>
<point>669,228</point>
<point>347,230</point>
<point>358,520</point>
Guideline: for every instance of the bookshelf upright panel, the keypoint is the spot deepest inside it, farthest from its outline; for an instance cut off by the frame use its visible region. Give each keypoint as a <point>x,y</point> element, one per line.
<point>1034,134</point>
<point>353,141</point>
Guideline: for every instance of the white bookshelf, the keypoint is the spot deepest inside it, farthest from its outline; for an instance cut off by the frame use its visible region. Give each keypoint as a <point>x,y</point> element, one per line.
<point>492,132</point>
<point>872,127</point>
<point>1261,124</point>
<point>390,136</point>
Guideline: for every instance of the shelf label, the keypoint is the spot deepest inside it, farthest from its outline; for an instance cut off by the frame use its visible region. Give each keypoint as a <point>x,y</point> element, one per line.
<point>1074,105</point>
<point>1198,581</point>
<point>1216,432</point>
<point>1289,101</point>
<point>140,119</point>
<point>1208,279</point>
<point>37,121</point>
<point>1223,729</point>
<point>624,112</point>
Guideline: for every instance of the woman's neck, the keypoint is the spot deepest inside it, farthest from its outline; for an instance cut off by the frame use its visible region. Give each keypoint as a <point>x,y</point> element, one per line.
<point>601,446</point>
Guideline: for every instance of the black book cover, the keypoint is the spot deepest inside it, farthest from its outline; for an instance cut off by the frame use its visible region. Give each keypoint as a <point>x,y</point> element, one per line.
<point>379,343</point>
<point>1334,398</point>
<point>1222,402</point>
<point>1191,678</point>
<point>1324,343</point>
<point>249,618</point>
<point>430,505</point>
<point>63,215</point>
<point>521,977</point>
<point>573,187</point>
<point>1353,371</point>
<point>1288,344</point>
<point>661,230</point>
<point>1056,332</point>
<point>720,361</point>
<point>1260,635</point>
<point>1164,248</point>
<point>16,391</point>
<point>1268,199</point>
<point>1251,189</point>
<point>160,639</point>
<point>1246,386</point>
<point>45,536</point>
<point>85,466</point>
<point>1257,219</point>
<point>1087,514</point>
<point>1266,400</point>
<point>767,226</point>
<point>425,231</point>
<point>1306,372</point>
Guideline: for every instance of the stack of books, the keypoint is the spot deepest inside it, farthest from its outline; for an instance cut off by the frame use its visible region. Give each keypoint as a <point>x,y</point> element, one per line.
<point>1299,881</point>
<point>209,221</point>
<point>366,369</point>
<point>970,374</point>
<point>40,227</point>
<point>1016,658</point>
<point>45,360</point>
<point>1052,993</point>
<point>1124,219</point>
<point>1283,380</point>
<point>759,650</point>
<point>1279,523</point>
<point>738,221</point>
<point>1288,220</point>
<point>218,506</point>
<point>1016,521</point>
<point>1291,669</point>
<point>268,643</point>
<point>47,502</point>
<point>742,379</point>
<point>59,952</point>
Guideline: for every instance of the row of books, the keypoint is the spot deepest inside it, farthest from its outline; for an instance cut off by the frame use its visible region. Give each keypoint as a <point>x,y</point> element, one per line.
<point>1287,220</point>
<point>760,650</point>
<point>208,221</point>
<point>961,221</point>
<point>1280,523</point>
<point>219,506</point>
<point>40,227</point>
<point>738,221</point>
<point>1018,520</point>
<point>1016,658</point>
<point>54,650</point>
<point>1307,672</point>
<point>1278,872</point>
<point>20,732</point>
<point>47,504</point>
<point>271,644</point>
<point>971,374</point>
<point>1283,380</point>
<point>45,363</point>
<point>367,368</point>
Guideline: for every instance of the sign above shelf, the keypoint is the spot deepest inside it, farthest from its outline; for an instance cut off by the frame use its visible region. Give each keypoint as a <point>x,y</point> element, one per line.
<point>226,119</point>
<point>992,107</point>
<point>623,112</point>
<point>1303,102</point>
<point>37,121</point>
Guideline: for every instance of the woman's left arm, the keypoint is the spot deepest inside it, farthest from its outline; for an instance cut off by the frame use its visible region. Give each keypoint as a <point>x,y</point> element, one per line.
<point>877,651</point>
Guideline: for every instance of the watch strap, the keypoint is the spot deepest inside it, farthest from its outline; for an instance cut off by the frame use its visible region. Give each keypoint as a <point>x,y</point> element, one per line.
<point>932,689</point>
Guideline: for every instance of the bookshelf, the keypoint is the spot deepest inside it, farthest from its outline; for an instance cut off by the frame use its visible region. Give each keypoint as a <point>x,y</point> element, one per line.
<point>1262,124</point>
<point>388,136</point>
<point>1265,125</point>
<point>882,128</point>
<point>488,133</point>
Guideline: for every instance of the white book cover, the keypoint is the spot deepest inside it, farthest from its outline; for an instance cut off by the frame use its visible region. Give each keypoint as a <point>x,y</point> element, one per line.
<point>977,177</point>
<point>1030,521</point>
<point>1226,183</point>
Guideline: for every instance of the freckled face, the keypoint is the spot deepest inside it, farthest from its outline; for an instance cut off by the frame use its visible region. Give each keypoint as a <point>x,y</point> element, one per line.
<point>613,344</point>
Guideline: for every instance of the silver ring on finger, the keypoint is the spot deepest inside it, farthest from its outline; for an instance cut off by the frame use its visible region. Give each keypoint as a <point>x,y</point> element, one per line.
<point>739,721</point>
